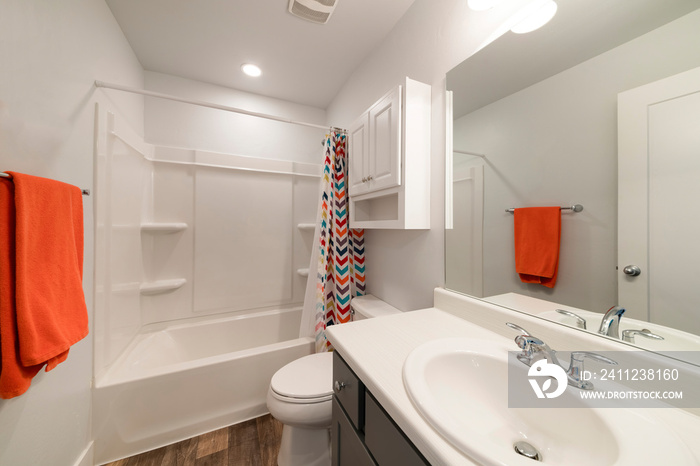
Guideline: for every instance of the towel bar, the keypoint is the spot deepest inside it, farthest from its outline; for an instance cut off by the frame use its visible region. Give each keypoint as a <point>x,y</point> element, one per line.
<point>575,208</point>
<point>86,192</point>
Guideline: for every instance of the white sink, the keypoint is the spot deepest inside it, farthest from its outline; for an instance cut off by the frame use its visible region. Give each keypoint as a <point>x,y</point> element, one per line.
<point>460,387</point>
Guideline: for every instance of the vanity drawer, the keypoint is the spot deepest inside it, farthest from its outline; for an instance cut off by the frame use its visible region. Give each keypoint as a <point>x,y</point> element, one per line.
<point>349,391</point>
<point>347,448</point>
<point>385,440</point>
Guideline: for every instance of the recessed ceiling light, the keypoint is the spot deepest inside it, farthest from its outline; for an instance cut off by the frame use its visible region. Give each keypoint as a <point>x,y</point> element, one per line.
<point>536,17</point>
<point>251,70</point>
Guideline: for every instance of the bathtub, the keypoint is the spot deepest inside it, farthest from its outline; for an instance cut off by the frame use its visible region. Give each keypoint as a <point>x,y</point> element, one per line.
<point>177,381</point>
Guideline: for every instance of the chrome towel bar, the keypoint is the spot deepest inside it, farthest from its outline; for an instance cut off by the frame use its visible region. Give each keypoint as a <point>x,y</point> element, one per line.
<point>575,208</point>
<point>86,192</point>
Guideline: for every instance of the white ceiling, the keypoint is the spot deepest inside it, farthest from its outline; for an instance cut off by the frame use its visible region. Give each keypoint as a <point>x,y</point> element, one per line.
<point>208,40</point>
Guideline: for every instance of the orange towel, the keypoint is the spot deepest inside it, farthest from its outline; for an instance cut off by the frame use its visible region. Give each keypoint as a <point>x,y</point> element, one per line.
<point>537,235</point>
<point>14,377</point>
<point>49,306</point>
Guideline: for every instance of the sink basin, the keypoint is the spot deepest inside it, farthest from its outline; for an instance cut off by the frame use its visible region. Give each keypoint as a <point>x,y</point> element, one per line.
<point>460,387</point>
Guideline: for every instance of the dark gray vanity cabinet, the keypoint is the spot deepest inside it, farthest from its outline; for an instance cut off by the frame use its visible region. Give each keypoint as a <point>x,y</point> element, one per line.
<point>362,433</point>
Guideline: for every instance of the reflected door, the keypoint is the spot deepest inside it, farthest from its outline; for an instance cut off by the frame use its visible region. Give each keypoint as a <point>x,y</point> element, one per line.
<point>464,264</point>
<point>659,191</point>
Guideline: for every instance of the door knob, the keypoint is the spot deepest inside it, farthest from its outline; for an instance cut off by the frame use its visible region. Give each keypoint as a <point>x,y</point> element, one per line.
<point>632,270</point>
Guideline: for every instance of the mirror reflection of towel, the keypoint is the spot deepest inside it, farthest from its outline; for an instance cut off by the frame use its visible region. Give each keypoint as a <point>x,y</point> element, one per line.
<point>537,236</point>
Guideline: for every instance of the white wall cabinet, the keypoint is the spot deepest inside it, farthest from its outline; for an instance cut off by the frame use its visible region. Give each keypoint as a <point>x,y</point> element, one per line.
<point>389,161</point>
<point>375,145</point>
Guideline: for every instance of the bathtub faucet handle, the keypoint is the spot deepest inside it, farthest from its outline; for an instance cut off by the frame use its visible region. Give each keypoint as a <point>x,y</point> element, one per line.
<point>338,386</point>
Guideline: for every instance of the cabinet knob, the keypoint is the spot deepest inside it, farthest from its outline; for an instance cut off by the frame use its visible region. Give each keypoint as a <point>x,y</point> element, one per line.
<point>338,386</point>
<point>364,180</point>
<point>369,177</point>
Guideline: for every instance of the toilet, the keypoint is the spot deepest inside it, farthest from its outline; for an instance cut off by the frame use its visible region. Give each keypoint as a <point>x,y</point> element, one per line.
<point>300,396</point>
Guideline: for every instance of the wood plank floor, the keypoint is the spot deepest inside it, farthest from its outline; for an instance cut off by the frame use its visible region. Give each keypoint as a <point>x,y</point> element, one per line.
<point>251,443</point>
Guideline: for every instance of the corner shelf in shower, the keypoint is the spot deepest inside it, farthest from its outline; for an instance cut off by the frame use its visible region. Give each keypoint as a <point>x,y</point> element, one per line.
<point>303,272</point>
<point>163,227</point>
<point>306,226</point>
<point>161,286</point>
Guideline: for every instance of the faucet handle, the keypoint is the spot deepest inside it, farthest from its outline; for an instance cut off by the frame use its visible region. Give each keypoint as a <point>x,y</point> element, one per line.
<point>527,343</point>
<point>581,321</point>
<point>576,367</point>
<point>580,355</point>
<point>518,328</point>
<point>628,335</point>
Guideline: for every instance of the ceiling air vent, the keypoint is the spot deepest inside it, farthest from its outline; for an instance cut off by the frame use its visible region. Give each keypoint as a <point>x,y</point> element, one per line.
<point>316,11</point>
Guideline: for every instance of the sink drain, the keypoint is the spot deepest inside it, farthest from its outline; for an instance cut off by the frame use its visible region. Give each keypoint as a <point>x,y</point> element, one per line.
<point>527,450</point>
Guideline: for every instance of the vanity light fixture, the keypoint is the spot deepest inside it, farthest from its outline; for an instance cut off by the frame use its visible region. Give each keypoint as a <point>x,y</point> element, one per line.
<point>251,70</point>
<point>535,15</point>
<point>481,5</point>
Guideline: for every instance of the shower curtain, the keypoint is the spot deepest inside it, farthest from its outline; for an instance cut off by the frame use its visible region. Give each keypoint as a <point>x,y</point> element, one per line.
<point>340,255</point>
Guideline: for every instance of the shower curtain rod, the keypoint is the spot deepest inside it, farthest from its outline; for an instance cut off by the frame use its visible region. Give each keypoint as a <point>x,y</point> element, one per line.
<point>201,103</point>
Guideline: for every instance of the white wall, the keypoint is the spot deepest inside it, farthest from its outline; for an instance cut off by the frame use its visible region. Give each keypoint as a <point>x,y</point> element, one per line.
<point>403,267</point>
<point>175,124</point>
<point>555,143</point>
<point>51,52</point>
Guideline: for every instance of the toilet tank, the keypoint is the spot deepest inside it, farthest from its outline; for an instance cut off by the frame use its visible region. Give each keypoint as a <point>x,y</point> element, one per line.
<point>366,307</point>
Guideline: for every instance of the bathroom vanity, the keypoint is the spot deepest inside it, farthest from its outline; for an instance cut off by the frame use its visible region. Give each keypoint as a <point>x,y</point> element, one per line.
<point>376,422</point>
<point>363,434</point>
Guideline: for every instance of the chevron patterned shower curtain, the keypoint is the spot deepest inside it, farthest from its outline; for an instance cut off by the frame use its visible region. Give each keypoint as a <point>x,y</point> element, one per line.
<point>341,258</point>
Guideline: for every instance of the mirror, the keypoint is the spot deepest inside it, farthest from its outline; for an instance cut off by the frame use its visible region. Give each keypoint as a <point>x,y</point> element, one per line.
<point>535,123</point>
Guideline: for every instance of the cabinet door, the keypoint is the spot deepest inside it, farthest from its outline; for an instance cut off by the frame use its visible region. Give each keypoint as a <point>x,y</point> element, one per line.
<point>349,391</point>
<point>385,440</point>
<point>358,155</point>
<point>385,142</point>
<point>346,447</point>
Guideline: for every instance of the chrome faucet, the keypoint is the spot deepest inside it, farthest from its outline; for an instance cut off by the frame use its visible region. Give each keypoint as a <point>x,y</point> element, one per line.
<point>534,349</point>
<point>610,325</point>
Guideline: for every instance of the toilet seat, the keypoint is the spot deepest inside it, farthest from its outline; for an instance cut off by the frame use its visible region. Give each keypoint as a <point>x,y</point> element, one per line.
<point>307,380</point>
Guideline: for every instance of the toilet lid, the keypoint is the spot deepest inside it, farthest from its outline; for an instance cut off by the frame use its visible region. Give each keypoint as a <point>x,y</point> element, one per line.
<point>306,378</point>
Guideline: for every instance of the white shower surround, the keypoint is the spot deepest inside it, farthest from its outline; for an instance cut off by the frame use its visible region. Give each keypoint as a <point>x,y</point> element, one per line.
<point>173,364</point>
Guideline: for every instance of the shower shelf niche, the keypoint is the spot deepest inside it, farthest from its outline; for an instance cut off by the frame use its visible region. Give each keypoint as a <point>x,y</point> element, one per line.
<point>163,227</point>
<point>303,272</point>
<point>161,286</point>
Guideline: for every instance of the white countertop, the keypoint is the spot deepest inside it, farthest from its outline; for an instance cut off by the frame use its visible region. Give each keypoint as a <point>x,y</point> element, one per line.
<point>376,349</point>
<point>377,356</point>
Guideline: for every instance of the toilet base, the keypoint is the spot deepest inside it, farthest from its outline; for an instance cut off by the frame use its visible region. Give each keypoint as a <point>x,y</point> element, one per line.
<point>304,447</point>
